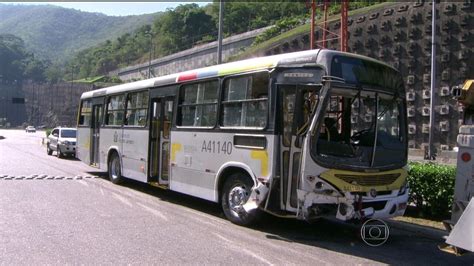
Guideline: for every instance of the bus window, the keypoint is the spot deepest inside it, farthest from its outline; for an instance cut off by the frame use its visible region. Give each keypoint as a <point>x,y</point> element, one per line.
<point>245,101</point>
<point>86,112</point>
<point>198,104</point>
<point>115,110</point>
<point>137,105</point>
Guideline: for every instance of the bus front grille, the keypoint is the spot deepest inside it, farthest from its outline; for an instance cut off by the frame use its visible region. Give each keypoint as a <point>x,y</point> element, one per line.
<point>377,205</point>
<point>364,180</point>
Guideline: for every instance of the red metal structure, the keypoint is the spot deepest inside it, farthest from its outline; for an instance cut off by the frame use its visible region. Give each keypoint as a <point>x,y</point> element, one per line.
<point>325,28</point>
<point>327,34</point>
<point>344,13</point>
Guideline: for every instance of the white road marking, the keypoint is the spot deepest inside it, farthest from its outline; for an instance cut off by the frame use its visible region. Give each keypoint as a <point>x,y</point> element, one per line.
<point>237,247</point>
<point>102,192</point>
<point>122,199</point>
<point>153,211</point>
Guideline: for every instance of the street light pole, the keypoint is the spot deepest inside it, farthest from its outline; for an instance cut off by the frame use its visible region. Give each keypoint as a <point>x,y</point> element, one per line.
<point>151,48</point>
<point>220,33</point>
<point>431,153</point>
<point>149,59</point>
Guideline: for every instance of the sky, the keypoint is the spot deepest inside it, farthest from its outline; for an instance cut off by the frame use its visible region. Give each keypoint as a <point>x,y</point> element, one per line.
<point>115,8</point>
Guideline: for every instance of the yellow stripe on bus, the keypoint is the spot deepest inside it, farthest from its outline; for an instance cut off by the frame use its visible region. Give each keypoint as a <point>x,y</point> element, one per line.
<point>332,176</point>
<point>175,147</point>
<point>263,157</point>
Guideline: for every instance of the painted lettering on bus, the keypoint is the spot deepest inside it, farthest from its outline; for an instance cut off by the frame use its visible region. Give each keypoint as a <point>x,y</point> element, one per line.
<point>212,146</point>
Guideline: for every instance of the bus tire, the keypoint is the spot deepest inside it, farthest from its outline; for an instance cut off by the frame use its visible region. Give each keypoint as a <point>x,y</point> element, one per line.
<point>235,193</point>
<point>115,169</point>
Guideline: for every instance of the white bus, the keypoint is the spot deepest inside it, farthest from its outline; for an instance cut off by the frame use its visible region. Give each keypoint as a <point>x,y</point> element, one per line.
<point>305,135</point>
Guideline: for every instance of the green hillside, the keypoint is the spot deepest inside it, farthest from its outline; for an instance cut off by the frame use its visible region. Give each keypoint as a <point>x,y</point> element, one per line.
<point>56,33</point>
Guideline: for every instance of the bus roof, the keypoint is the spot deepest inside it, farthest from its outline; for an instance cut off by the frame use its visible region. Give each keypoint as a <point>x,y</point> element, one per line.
<point>248,65</point>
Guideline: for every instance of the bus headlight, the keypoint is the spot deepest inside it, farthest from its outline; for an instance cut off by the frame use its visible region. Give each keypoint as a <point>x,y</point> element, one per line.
<point>403,188</point>
<point>66,142</point>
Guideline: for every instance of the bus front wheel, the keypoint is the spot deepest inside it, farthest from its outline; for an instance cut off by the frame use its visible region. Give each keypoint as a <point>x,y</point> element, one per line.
<point>235,193</point>
<point>115,169</point>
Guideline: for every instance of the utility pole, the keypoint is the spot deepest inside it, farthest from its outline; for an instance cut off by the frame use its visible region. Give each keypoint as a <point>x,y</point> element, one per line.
<point>149,58</point>
<point>311,35</point>
<point>220,33</point>
<point>431,149</point>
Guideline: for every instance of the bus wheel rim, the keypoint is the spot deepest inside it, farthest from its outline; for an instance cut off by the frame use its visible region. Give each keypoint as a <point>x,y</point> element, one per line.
<point>237,198</point>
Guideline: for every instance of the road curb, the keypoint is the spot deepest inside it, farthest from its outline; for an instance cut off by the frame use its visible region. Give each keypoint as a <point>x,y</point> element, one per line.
<point>428,232</point>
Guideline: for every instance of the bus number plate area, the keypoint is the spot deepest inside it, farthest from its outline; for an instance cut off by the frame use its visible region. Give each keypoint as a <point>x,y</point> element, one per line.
<point>217,147</point>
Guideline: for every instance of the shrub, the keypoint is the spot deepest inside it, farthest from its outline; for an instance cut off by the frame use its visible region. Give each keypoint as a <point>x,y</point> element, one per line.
<point>281,26</point>
<point>48,131</point>
<point>432,188</point>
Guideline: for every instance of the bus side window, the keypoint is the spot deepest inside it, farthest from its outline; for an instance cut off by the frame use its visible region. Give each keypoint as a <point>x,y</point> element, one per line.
<point>85,113</point>
<point>198,104</point>
<point>115,110</point>
<point>245,101</point>
<point>137,106</point>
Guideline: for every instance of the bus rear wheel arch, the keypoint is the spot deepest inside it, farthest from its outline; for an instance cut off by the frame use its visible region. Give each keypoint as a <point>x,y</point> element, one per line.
<point>114,167</point>
<point>235,192</point>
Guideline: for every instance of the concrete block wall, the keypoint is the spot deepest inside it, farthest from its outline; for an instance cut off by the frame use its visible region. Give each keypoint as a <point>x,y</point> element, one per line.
<point>196,57</point>
<point>52,105</point>
<point>400,34</point>
<point>12,104</point>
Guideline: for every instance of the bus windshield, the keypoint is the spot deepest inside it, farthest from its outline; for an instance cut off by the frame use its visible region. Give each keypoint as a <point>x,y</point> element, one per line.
<point>361,129</point>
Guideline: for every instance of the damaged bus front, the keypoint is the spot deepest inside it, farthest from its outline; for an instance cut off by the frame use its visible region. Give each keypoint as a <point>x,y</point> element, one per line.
<point>343,145</point>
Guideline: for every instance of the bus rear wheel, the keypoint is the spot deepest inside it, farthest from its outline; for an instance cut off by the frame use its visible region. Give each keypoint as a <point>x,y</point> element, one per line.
<point>235,193</point>
<point>115,169</point>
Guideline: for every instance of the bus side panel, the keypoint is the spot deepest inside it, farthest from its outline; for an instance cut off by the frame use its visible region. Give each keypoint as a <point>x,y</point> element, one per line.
<point>196,157</point>
<point>83,144</point>
<point>109,137</point>
<point>135,153</point>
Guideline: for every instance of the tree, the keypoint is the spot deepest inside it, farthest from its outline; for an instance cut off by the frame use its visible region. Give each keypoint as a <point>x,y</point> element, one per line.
<point>12,55</point>
<point>35,69</point>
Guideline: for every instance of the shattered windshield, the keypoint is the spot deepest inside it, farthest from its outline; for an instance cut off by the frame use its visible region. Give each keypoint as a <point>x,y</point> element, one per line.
<point>361,129</point>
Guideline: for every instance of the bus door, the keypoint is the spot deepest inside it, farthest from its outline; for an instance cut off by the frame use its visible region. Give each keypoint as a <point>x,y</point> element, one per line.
<point>298,95</point>
<point>95,133</point>
<point>160,128</point>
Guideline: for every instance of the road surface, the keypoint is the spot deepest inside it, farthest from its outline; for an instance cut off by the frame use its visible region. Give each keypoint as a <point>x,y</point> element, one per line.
<point>58,211</point>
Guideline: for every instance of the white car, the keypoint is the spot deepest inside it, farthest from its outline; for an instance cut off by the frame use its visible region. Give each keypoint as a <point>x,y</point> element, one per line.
<point>31,129</point>
<point>63,141</point>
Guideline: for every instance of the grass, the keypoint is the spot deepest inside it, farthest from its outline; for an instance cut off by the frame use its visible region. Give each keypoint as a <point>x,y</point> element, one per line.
<point>88,80</point>
<point>413,216</point>
<point>420,221</point>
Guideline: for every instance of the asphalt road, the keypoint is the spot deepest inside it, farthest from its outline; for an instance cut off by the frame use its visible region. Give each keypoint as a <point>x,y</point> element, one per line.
<point>58,211</point>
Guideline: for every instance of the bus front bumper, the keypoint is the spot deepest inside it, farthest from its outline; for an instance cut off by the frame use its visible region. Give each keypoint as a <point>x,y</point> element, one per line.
<point>351,206</point>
